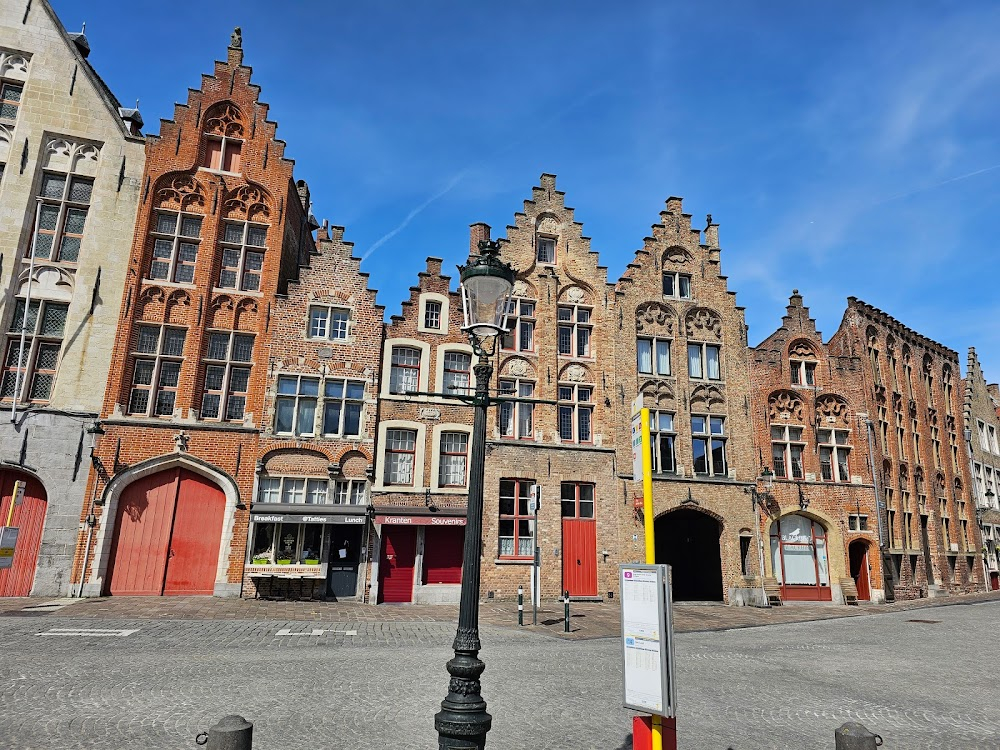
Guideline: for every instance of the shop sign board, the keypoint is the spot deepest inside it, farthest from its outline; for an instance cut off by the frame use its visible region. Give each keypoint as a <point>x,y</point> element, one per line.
<point>8,542</point>
<point>647,639</point>
<point>637,439</point>
<point>296,518</point>
<point>421,520</point>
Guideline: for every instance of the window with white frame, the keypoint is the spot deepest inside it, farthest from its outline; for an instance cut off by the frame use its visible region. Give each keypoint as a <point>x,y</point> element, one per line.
<point>243,246</point>
<point>343,402</point>
<point>432,315</point>
<point>834,449</point>
<point>457,373</point>
<point>520,333</point>
<point>574,330</point>
<point>787,446</point>
<point>516,418</point>
<point>157,357</point>
<point>453,459</point>
<point>704,361</point>
<point>10,100</point>
<point>676,285</point>
<point>400,456</point>
<point>576,412</point>
<point>516,529</point>
<point>175,247</point>
<point>294,490</point>
<point>802,372</point>
<point>857,522</point>
<point>404,372</point>
<point>295,405</point>
<point>228,358</point>
<point>546,249</point>
<point>653,356</point>
<point>576,500</point>
<point>62,212</point>
<point>662,441</point>
<point>708,445</point>
<point>992,432</point>
<point>29,373</point>
<point>329,323</point>
<point>350,492</point>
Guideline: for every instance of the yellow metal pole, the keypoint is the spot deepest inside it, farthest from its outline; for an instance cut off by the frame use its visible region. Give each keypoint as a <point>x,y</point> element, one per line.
<point>13,497</point>
<point>647,516</point>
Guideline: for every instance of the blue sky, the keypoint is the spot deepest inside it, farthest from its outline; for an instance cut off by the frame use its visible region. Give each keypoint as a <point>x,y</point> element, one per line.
<point>844,149</point>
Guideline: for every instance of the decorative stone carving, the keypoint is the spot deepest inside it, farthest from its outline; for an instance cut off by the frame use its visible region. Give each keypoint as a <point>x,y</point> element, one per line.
<point>181,440</point>
<point>653,318</point>
<point>575,295</point>
<point>182,192</point>
<point>521,288</point>
<point>14,65</point>
<point>518,368</point>
<point>702,323</point>
<point>707,396</point>
<point>802,350</point>
<point>224,119</point>
<point>575,374</point>
<point>249,202</point>
<point>676,255</point>
<point>785,406</point>
<point>429,412</point>
<point>661,391</point>
<point>69,156</point>
<point>832,409</point>
<point>236,40</point>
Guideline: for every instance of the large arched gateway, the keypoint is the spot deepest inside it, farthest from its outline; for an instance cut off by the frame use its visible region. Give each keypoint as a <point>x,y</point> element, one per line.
<point>688,541</point>
<point>168,530</point>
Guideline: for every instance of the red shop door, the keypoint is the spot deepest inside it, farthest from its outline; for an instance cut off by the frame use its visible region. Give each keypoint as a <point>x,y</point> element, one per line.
<point>29,518</point>
<point>443,547</point>
<point>167,535</point>
<point>399,554</point>
<point>579,556</point>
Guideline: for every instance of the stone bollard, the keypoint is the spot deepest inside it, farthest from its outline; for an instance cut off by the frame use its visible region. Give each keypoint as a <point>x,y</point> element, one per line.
<point>231,733</point>
<point>854,736</point>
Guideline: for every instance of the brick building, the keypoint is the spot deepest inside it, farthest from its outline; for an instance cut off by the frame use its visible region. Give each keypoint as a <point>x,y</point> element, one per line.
<point>421,477</point>
<point>821,531</point>
<point>71,158</point>
<point>913,396</point>
<point>560,349</point>
<point>681,342</point>
<point>221,228</point>
<point>981,434</point>
<point>315,459</point>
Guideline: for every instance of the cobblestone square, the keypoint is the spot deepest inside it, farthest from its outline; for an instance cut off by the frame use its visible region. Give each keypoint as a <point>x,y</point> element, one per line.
<point>376,684</point>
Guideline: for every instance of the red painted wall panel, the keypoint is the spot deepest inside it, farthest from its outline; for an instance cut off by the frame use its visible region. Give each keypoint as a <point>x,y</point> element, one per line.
<point>29,518</point>
<point>580,557</point>
<point>443,547</point>
<point>193,557</point>
<point>399,553</point>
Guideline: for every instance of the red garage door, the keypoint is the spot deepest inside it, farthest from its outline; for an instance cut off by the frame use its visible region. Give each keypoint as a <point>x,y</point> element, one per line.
<point>399,552</point>
<point>167,535</point>
<point>443,546</point>
<point>29,518</point>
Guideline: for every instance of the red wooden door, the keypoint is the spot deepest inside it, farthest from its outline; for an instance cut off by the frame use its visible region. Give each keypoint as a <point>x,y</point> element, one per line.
<point>858,553</point>
<point>399,555</point>
<point>29,519</point>
<point>193,556</point>
<point>443,547</point>
<point>142,536</point>
<point>579,556</point>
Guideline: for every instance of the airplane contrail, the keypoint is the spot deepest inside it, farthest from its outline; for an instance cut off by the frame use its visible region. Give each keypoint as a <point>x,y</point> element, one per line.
<point>936,185</point>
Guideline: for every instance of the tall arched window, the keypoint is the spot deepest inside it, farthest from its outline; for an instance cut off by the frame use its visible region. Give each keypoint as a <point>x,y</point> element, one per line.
<point>799,558</point>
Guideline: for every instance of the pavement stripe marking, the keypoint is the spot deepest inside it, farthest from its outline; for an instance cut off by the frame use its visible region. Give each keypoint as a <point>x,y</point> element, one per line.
<point>316,631</point>
<point>96,632</point>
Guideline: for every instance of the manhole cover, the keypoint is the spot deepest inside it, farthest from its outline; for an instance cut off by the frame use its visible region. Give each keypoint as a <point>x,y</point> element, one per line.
<point>926,622</point>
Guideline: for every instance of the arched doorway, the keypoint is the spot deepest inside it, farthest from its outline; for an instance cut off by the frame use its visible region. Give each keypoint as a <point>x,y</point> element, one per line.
<point>688,541</point>
<point>28,519</point>
<point>799,559</point>
<point>168,529</point>
<point>858,554</point>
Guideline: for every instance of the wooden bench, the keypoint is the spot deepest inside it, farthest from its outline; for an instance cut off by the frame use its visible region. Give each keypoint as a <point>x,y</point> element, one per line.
<point>849,590</point>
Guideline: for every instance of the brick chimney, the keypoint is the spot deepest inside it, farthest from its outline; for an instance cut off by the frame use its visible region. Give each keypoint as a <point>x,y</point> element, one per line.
<point>477,232</point>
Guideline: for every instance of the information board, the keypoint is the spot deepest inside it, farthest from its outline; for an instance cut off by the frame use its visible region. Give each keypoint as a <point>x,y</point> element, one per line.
<point>647,639</point>
<point>8,543</point>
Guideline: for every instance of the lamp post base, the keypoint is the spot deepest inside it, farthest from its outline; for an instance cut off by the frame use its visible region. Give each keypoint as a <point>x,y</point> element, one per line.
<point>462,722</point>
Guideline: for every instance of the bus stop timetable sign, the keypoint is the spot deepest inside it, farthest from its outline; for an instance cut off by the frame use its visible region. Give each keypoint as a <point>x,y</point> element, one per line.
<point>647,640</point>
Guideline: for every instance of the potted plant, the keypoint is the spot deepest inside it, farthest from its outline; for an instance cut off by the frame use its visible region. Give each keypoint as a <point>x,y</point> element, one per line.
<point>261,560</point>
<point>284,558</point>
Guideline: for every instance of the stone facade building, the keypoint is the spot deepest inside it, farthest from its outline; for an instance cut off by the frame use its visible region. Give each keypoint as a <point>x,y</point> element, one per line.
<point>309,514</point>
<point>681,342</point>
<point>913,397</point>
<point>421,477</point>
<point>71,159</point>
<point>221,230</point>
<point>981,435</point>
<point>821,532</point>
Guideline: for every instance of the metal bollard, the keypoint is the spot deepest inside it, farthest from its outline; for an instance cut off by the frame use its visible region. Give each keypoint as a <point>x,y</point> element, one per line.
<point>566,614</point>
<point>231,733</point>
<point>854,736</point>
<point>520,605</point>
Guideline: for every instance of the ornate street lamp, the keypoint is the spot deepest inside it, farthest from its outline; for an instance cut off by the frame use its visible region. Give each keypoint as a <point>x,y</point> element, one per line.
<point>486,285</point>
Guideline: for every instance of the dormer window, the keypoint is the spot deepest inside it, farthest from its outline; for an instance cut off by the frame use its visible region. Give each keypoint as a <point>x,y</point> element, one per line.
<point>222,153</point>
<point>432,315</point>
<point>803,373</point>
<point>676,285</point>
<point>546,249</point>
